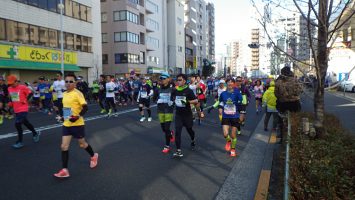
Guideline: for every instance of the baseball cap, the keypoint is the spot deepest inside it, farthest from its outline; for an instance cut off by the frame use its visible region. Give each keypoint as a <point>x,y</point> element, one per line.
<point>146,78</point>
<point>11,79</point>
<point>41,78</point>
<point>164,75</point>
<point>222,81</point>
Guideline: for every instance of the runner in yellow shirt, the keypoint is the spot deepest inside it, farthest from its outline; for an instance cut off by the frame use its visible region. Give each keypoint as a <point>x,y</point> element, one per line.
<point>74,107</point>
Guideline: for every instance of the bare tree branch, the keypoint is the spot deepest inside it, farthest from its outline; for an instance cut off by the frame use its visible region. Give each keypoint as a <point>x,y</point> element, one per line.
<point>330,10</point>
<point>302,13</point>
<point>338,25</point>
<point>310,37</point>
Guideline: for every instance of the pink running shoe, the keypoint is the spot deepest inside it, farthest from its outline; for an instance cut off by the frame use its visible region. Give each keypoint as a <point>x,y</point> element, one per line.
<point>93,160</point>
<point>166,150</point>
<point>63,173</point>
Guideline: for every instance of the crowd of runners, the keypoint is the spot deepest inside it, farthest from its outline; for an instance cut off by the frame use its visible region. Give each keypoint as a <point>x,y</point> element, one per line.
<point>68,97</point>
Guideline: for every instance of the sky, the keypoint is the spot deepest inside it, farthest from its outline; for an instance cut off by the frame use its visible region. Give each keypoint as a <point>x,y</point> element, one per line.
<point>233,20</point>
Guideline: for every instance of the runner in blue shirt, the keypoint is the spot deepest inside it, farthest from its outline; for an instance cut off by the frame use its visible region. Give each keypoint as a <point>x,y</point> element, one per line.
<point>229,101</point>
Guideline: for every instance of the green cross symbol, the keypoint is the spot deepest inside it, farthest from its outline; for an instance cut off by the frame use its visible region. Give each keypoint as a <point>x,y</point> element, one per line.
<point>12,53</point>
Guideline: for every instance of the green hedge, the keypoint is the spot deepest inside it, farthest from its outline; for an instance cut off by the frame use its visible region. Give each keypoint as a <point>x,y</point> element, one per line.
<point>322,168</point>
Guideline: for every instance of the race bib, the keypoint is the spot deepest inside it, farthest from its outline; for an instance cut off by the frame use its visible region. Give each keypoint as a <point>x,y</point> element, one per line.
<point>41,90</point>
<point>230,109</point>
<point>46,90</point>
<point>144,94</point>
<point>164,98</point>
<point>180,101</point>
<point>67,113</point>
<point>15,96</point>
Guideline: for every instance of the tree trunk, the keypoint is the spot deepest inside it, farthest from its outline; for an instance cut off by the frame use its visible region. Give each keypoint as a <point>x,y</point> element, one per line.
<point>322,66</point>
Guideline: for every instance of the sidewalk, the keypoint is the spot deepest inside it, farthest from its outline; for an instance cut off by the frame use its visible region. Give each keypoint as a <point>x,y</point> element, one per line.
<point>253,164</point>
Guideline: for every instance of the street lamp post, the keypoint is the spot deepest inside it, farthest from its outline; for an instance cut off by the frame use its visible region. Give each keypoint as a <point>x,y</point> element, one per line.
<point>61,8</point>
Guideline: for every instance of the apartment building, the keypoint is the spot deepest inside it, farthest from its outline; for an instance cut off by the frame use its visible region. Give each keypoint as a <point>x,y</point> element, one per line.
<point>234,48</point>
<point>255,39</point>
<point>210,33</point>
<point>30,38</point>
<point>176,37</point>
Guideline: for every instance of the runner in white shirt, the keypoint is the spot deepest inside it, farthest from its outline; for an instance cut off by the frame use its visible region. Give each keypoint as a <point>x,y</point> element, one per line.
<point>110,95</point>
<point>58,89</point>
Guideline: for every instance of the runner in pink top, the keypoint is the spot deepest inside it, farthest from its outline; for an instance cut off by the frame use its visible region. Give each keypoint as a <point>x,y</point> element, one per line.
<point>18,95</point>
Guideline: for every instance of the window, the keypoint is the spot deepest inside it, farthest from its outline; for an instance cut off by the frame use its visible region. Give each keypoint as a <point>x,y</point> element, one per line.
<point>126,37</point>
<point>23,33</point>
<point>69,41</point>
<point>53,38</point>
<point>33,2</point>
<point>84,44</point>
<point>104,17</point>
<point>69,8</point>
<point>104,59</point>
<point>142,57</point>
<point>34,37</point>
<point>104,37</point>
<point>88,13</point>
<point>83,12</point>
<point>142,38</point>
<point>2,29</point>
<point>188,51</point>
<point>102,0</point>
<point>141,19</point>
<point>179,20</point>
<point>125,15</point>
<point>43,37</point>
<point>77,40</point>
<point>121,58</point>
<point>76,10</point>
<point>90,45</point>
<point>11,30</point>
<point>42,4</point>
<point>179,49</point>
<point>53,5</point>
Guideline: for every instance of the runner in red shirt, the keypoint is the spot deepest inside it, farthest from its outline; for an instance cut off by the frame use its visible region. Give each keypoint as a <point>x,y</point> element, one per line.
<point>201,93</point>
<point>19,95</point>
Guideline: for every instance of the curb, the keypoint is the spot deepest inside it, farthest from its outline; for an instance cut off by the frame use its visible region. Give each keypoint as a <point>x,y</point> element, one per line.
<point>243,179</point>
<point>264,179</point>
<point>342,96</point>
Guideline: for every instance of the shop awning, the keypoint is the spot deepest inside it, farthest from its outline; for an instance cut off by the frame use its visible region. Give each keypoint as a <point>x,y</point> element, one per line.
<point>18,64</point>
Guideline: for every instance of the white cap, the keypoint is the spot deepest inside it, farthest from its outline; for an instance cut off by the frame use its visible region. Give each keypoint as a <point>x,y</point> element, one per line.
<point>222,81</point>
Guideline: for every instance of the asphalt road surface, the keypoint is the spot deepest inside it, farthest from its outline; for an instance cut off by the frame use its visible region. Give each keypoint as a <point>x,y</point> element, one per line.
<point>131,165</point>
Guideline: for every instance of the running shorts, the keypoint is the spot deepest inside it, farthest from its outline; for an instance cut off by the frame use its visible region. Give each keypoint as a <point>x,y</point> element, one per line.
<point>77,132</point>
<point>144,102</point>
<point>234,122</point>
<point>165,117</point>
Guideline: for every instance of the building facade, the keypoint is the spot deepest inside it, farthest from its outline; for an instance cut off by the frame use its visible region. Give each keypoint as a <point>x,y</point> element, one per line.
<point>30,38</point>
<point>255,39</point>
<point>210,45</point>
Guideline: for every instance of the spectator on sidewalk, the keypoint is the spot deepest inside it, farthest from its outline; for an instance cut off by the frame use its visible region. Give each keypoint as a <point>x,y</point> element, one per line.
<point>287,92</point>
<point>269,100</point>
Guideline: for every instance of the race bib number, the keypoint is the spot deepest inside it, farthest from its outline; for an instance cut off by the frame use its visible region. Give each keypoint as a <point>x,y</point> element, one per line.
<point>41,90</point>
<point>144,94</point>
<point>67,113</point>
<point>230,109</point>
<point>180,101</point>
<point>164,98</point>
<point>46,90</point>
<point>15,96</point>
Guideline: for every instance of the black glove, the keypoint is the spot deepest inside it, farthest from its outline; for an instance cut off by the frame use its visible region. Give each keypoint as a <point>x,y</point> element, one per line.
<point>73,118</point>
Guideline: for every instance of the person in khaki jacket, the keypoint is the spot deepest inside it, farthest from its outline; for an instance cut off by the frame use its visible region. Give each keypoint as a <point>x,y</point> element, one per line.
<point>287,92</point>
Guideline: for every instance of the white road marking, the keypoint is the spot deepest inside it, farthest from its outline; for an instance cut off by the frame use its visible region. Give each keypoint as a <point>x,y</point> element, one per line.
<point>53,126</point>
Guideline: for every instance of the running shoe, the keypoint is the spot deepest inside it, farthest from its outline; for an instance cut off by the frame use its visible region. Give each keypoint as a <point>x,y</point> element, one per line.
<point>193,145</point>
<point>103,111</point>
<point>10,116</point>
<point>149,119</point>
<point>172,137</point>
<point>239,132</point>
<point>166,149</point>
<point>178,154</point>
<point>227,147</point>
<point>63,173</point>
<point>233,153</point>
<point>265,129</point>
<point>110,112</point>
<point>142,119</point>
<point>1,119</point>
<point>18,145</point>
<point>36,137</point>
<point>93,160</point>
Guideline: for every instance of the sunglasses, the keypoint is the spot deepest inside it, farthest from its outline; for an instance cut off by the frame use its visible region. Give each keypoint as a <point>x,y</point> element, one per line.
<point>180,79</point>
<point>162,78</point>
<point>69,81</point>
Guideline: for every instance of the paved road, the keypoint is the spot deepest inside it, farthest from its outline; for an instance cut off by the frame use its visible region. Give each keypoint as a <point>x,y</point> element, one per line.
<point>131,164</point>
<point>343,108</point>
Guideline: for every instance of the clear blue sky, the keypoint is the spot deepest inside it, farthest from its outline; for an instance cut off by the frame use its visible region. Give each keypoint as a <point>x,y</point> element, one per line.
<point>233,21</point>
